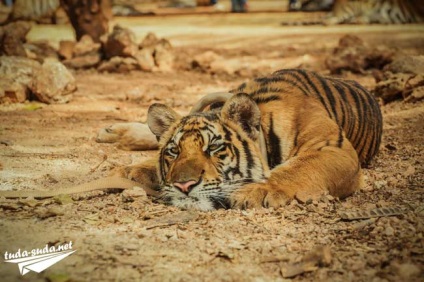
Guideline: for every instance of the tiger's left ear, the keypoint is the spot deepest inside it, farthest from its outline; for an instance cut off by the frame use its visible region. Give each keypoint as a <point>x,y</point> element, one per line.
<point>159,118</point>
<point>242,110</point>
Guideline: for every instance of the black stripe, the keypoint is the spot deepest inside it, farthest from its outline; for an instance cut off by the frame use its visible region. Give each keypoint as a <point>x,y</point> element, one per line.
<point>264,81</point>
<point>316,92</point>
<point>242,87</point>
<point>295,75</point>
<point>266,99</point>
<point>348,113</point>
<point>361,115</point>
<point>274,146</point>
<point>340,140</point>
<point>374,122</point>
<point>265,90</point>
<point>328,95</point>
<point>249,158</point>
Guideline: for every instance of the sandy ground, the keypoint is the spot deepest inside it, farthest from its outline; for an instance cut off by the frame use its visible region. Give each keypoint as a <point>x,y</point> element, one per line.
<point>120,240</point>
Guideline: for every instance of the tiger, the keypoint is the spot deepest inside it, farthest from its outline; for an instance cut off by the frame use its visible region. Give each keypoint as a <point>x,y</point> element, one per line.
<point>293,134</point>
<point>364,11</point>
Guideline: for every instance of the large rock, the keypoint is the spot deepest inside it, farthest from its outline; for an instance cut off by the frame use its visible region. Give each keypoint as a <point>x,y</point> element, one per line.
<point>23,77</point>
<point>121,42</point>
<point>354,55</point>
<point>19,69</point>
<point>12,91</point>
<point>401,79</point>
<point>16,74</point>
<point>53,83</point>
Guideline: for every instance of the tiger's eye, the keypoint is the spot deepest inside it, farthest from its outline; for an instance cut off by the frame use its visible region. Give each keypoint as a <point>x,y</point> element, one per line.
<point>213,148</point>
<point>173,151</point>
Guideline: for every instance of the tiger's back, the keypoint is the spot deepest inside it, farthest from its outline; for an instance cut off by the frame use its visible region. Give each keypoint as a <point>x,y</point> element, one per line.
<point>363,11</point>
<point>352,107</point>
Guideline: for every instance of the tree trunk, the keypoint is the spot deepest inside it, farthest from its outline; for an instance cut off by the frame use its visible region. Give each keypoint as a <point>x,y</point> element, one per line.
<point>89,17</point>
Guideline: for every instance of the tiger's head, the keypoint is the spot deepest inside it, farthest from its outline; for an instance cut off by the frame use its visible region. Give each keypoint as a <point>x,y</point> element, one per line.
<point>205,156</point>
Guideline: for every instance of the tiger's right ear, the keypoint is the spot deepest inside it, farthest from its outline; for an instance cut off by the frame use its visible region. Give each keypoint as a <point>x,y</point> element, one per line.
<point>160,117</point>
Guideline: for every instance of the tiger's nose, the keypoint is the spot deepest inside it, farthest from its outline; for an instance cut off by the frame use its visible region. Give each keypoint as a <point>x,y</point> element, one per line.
<point>185,186</point>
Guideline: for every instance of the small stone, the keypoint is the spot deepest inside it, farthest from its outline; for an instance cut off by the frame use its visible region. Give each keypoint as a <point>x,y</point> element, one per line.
<point>407,271</point>
<point>128,195</point>
<point>86,46</point>
<point>145,59</point>
<point>380,184</point>
<point>149,41</point>
<point>389,231</point>
<point>66,49</point>
<point>86,61</point>
<point>164,58</point>
<point>120,43</point>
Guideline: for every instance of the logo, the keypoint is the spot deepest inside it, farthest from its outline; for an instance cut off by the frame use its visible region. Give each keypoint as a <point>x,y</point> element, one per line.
<point>38,260</point>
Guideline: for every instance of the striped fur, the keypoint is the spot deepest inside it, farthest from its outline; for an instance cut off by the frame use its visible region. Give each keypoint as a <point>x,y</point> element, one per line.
<point>377,11</point>
<point>316,133</point>
<point>33,9</point>
<point>346,102</point>
<point>364,11</point>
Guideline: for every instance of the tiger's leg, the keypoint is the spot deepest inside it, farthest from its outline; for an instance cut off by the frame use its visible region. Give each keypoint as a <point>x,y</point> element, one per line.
<point>144,173</point>
<point>308,175</point>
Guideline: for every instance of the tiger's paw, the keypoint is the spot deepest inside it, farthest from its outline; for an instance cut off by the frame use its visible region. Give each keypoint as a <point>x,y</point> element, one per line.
<point>257,195</point>
<point>142,175</point>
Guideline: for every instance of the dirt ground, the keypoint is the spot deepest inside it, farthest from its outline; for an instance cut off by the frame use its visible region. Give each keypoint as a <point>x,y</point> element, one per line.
<point>53,146</point>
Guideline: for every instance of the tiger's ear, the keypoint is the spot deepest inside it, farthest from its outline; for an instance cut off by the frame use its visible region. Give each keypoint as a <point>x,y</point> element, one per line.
<point>242,110</point>
<point>160,117</point>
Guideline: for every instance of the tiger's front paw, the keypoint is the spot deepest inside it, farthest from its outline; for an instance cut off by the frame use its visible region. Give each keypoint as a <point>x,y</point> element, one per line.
<point>257,195</point>
<point>136,173</point>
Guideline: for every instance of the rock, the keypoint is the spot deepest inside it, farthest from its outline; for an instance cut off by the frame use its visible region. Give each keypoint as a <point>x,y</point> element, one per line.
<point>66,49</point>
<point>149,41</point>
<point>40,50</point>
<point>354,55</point>
<point>416,95</point>
<point>407,271</point>
<point>119,64</point>
<point>53,83</point>
<point>406,64</point>
<point>145,59</point>
<point>12,91</point>
<point>19,69</point>
<point>164,57</point>
<point>13,37</point>
<point>120,43</point>
<point>204,60</point>
<point>86,46</point>
<point>86,61</point>
<point>401,85</point>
